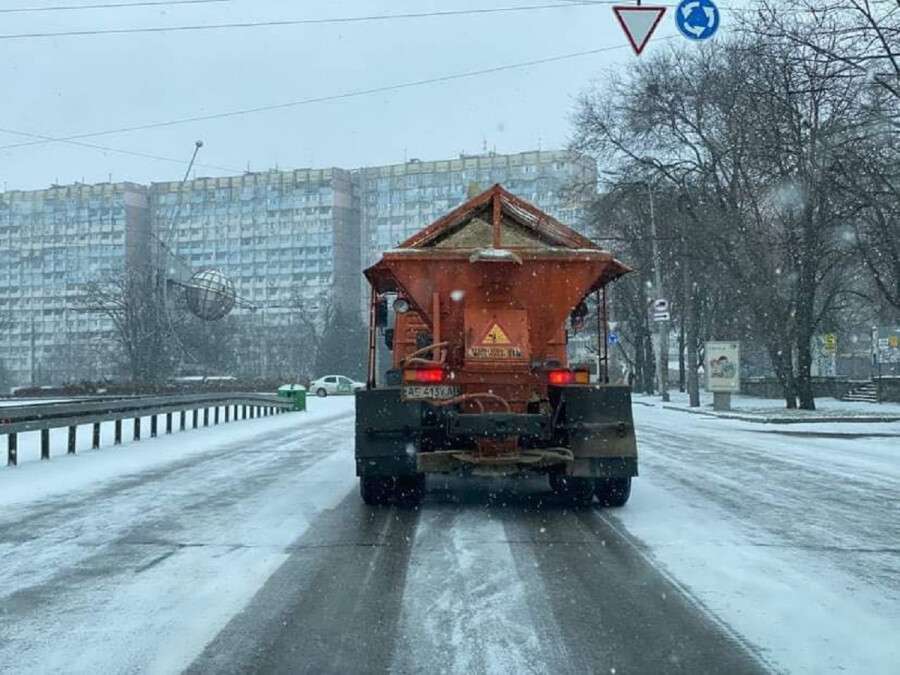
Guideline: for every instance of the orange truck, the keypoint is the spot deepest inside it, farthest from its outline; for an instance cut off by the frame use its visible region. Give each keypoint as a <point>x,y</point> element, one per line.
<point>475,310</point>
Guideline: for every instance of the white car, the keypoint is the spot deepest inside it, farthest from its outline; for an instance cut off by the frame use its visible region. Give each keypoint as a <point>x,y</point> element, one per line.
<point>334,384</point>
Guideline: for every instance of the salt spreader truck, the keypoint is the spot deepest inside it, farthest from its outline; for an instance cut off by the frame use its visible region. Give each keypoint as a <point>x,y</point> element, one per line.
<point>479,381</point>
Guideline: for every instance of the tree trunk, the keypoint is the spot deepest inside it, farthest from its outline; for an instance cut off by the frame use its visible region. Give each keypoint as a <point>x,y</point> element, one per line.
<point>637,374</point>
<point>681,322</point>
<point>693,342</point>
<point>649,365</point>
<point>784,371</point>
<point>804,380</point>
<point>806,298</point>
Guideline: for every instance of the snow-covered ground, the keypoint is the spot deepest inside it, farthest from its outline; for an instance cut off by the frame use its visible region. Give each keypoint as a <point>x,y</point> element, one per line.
<point>12,402</point>
<point>753,407</point>
<point>36,480</point>
<point>792,540</point>
<point>106,571</point>
<point>133,558</point>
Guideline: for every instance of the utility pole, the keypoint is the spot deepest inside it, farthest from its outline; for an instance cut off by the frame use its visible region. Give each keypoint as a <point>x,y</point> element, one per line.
<point>662,356</point>
<point>33,368</point>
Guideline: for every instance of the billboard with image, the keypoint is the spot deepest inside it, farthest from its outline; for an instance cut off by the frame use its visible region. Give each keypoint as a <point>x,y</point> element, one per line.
<point>723,366</point>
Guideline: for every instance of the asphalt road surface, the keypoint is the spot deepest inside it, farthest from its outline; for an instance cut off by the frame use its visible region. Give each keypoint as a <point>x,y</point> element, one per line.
<point>484,577</point>
<point>260,557</point>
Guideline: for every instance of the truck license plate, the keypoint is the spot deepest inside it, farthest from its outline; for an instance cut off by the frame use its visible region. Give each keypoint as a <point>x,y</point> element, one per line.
<point>438,391</point>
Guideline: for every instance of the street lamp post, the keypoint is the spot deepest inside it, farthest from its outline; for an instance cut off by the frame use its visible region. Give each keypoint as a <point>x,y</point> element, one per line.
<point>662,356</point>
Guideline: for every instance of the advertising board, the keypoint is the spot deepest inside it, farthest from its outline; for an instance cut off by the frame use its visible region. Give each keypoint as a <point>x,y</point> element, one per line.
<point>723,366</point>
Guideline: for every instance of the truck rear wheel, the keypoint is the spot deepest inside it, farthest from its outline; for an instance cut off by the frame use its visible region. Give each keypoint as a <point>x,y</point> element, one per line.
<point>577,490</point>
<point>613,491</point>
<point>411,489</point>
<point>376,490</point>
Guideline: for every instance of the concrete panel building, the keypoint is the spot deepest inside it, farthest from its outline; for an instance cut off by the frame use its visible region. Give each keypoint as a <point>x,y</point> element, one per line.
<point>52,243</point>
<point>282,237</point>
<point>399,199</point>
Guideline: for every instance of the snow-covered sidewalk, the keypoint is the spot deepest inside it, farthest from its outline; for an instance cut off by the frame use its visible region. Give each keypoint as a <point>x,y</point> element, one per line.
<point>753,409</point>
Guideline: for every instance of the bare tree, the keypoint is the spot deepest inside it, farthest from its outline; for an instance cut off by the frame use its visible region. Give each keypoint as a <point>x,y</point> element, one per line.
<point>141,327</point>
<point>861,34</point>
<point>751,132</point>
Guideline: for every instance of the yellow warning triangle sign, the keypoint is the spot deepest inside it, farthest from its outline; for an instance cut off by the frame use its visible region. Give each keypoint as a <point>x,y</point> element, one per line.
<point>495,336</point>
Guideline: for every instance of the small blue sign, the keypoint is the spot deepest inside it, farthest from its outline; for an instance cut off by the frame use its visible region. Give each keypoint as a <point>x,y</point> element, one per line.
<point>697,19</point>
<point>613,338</point>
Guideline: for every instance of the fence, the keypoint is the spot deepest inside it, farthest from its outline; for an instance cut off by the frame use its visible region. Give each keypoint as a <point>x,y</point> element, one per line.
<point>46,416</point>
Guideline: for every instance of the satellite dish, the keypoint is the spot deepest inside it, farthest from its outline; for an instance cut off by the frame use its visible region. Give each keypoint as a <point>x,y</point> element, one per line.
<point>210,295</point>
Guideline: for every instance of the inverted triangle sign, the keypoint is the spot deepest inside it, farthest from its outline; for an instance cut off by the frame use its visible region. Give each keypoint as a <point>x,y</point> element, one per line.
<point>638,23</point>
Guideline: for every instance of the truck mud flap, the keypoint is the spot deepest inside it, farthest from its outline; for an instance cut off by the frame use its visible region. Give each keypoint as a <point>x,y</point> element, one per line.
<point>596,424</point>
<point>387,430</point>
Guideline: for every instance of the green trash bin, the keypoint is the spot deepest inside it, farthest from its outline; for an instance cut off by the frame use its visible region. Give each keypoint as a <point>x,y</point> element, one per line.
<point>297,392</point>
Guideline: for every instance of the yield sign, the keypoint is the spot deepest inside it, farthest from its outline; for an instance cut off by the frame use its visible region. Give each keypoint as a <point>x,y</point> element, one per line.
<point>638,23</point>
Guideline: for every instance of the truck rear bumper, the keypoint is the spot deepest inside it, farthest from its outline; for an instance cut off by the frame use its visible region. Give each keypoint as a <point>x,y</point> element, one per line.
<point>467,461</point>
<point>594,438</point>
<point>545,460</point>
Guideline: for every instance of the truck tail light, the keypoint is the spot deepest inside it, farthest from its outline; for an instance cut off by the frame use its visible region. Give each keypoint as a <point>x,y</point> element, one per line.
<point>582,377</point>
<point>424,375</point>
<point>561,377</point>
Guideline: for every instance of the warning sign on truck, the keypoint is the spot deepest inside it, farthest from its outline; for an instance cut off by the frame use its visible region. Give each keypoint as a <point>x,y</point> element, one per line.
<point>495,336</point>
<point>495,345</point>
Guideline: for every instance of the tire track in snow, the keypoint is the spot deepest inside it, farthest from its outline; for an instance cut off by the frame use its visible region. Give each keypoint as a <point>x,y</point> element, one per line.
<point>465,606</point>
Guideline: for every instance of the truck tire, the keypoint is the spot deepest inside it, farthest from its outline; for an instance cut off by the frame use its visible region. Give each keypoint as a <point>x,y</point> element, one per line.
<point>411,489</point>
<point>574,489</point>
<point>613,491</point>
<point>321,393</point>
<point>376,490</point>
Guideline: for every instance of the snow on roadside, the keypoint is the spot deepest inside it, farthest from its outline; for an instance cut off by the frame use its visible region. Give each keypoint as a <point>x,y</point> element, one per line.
<point>802,614</point>
<point>36,480</point>
<point>172,561</point>
<point>15,402</point>
<point>741,403</point>
<point>787,539</point>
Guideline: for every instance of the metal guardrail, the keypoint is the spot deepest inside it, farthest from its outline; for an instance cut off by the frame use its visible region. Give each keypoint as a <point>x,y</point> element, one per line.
<point>45,416</point>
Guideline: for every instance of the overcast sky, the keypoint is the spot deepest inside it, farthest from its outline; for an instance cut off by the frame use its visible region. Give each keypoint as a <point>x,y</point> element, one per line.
<point>64,86</point>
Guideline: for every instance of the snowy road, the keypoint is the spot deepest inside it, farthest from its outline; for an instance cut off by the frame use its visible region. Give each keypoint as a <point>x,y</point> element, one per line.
<point>247,549</point>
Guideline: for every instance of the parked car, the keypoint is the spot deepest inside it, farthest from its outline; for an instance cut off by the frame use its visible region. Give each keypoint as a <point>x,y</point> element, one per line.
<point>335,384</point>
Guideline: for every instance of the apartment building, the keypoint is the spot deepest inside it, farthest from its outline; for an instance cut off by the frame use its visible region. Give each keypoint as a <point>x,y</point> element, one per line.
<point>281,236</point>
<point>52,243</point>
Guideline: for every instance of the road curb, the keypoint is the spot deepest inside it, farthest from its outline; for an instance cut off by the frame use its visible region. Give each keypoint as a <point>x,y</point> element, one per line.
<point>782,420</point>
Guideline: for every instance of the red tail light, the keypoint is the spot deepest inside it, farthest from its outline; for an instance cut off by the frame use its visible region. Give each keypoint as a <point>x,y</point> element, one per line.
<point>561,377</point>
<point>429,375</point>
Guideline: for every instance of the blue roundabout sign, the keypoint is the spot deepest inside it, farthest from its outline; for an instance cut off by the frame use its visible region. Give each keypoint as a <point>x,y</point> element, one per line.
<point>697,19</point>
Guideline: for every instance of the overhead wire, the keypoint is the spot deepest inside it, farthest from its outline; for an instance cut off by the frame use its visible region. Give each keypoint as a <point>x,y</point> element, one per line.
<point>673,5</point>
<point>107,148</point>
<point>331,97</point>
<point>297,22</point>
<point>107,5</point>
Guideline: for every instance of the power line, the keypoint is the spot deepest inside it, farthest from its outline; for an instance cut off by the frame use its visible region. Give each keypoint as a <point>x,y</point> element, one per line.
<point>295,22</point>
<point>669,5</point>
<point>107,5</point>
<point>332,97</point>
<point>106,148</point>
